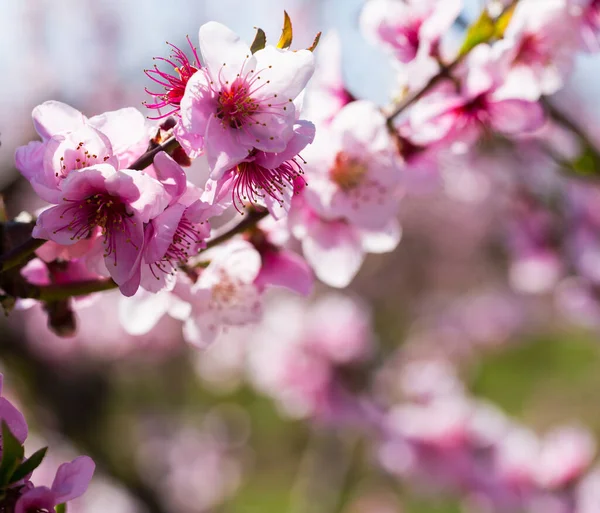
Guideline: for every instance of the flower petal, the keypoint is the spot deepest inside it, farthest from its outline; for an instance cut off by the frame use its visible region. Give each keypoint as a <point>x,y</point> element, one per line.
<point>334,251</point>
<point>53,118</point>
<point>72,479</point>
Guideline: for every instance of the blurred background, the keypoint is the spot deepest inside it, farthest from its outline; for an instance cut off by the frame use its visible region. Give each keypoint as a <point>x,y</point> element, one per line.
<point>175,429</point>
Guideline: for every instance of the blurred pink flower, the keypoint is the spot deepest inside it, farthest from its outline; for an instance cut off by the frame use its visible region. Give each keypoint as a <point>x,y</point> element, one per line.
<point>405,27</point>
<point>71,481</point>
<point>327,93</point>
<point>448,117</point>
<point>539,46</point>
<point>352,169</point>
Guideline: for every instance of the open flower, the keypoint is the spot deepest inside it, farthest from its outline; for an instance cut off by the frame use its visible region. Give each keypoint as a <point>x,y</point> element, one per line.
<point>335,248</point>
<point>267,179</point>
<point>224,293</point>
<point>352,170</point>
<point>405,27</point>
<point>240,101</point>
<point>483,104</point>
<point>174,84</point>
<point>71,141</point>
<point>179,232</point>
<point>71,481</point>
<point>115,203</point>
<point>539,45</point>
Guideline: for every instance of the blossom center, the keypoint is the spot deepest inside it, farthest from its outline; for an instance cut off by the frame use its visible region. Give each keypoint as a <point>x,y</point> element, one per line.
<point>102,211</point>
<point>78,158</point>
<point>174,82</point>
<point>348,172</point>
<point>253,182</point>
<point>226,292</point>
<point>235,105</point>
<point>185,244</point>
<point>530,50</point>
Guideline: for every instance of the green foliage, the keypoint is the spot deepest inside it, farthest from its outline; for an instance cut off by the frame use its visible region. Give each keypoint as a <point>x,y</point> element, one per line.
<point>29,465</point>
<point>486,29</point>
<point>588,163</point>
<point>12,455</point>
<point>287,35</point>
<point>315,43</point>
<point>260,41</point>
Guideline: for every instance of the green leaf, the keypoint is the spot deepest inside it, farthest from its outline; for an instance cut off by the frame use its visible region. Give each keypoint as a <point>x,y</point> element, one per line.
<point>315,42</point>
<point>29,465</point>
<point>61,508</point>
<point>12,454</point>
<point>503,21</point>
<point>285,41</point>
<point>480,32</point>
<point>260,41</point>
<point>588,163</point>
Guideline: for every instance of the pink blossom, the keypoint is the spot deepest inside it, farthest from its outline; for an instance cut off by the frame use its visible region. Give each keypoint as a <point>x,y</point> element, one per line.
<point>352,169</point>
<point>173,84</point>
<point>449,117</point>
<point>224,294</point>
<point>13,418</point>
<point>405,27</point>
<point>335,249</point>
<point>71,481</point>
<point>177,233</point>
<point>116,203</point>
<point>70,141</point>
<point>588,13</point>
<point>240,101</point>
<point>304,371</point>
<point>327,93</point>
<point>565,455</point>
<point>280,266</point>
<point>267,179</point>
<point>538,46</point>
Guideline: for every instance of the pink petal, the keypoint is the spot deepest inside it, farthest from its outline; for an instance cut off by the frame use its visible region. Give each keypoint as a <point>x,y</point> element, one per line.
<point>28,159</point>
<point>140,313</point>
<point>288,72</point>
<point>126,130</point>
<point>384,240</point>
<point>285,269</point>
<point>362,124</point>
<point>223,52</point>
<point>223,148</point>
<point>171,175</point>
<point>53,118</point>
<point>124,262</point>
<point>146,196</point>
<point>304,134</point>
<point>334,251</point>
<point>39,498</point>
<point>516,116</point>
<point>72,479</point>
<point>63,154</point>
<point>52,224</point>
<point>14,419</point>
<point>160,237</point>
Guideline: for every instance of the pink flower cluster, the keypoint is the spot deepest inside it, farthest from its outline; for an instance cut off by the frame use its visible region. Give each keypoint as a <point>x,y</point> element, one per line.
<point>119,208</point>
<point>19,494</point>
<point>443,437</point>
